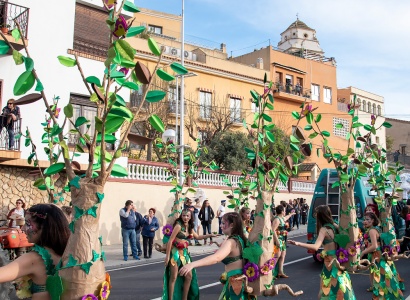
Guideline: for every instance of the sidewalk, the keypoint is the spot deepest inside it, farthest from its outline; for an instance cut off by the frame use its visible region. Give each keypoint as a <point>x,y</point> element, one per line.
<point>115,258</point>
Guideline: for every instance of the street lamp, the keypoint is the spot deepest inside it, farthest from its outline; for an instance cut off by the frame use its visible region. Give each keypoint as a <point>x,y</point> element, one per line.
<point>169,136</point>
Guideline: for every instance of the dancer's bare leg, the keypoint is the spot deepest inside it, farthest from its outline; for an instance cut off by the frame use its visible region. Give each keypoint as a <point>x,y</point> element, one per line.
<point>172,280</point>
<point>187,284</point>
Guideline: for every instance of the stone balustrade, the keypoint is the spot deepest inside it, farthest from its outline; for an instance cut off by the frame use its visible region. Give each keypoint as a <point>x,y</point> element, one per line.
<point>154,173</point>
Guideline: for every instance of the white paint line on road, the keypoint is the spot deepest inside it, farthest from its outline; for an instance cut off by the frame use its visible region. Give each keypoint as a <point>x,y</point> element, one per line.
<point>218,283</point>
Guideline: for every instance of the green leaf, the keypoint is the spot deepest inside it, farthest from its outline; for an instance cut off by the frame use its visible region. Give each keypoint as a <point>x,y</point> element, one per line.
<point>267,117</point>
<point>318,118</point>
<point>4,47</point>
<point>67,61</point>
<point>155,96</point>
<point>119,171</point>
<point>129,6</point>
<point>38,182</point>
<point>131,85</point>
<point>153,46</point>
<point>93,79</point>
<point>54,169</point>
<point>133,31</point>
<point>18,57</point>
<point>178,68</point>
<point>124,49</point>
<point>294,147</point>
<point>108,138</point>
<point>156,122</point>
<point>29,63</point>
<point>254,95</point>
<point>357,124</point>
<point>294,139</point>
<point>113,124</point>
<point>164,75</point>
<point>252,252</point>
<point>24,83</point>
<point>326,133</point>
<point>308,127</point>
<point>387,124</point>
<point>121,111</point>
<point>296,115</point>
<point>270,136</point>
<point>368,127</point>
<point>339,126</point>
<point>309,117</point>
<point>68,110</point>
<point>39,86</point>
<point>16,34</point>
<point>80,121</point>
<point>342,240</point>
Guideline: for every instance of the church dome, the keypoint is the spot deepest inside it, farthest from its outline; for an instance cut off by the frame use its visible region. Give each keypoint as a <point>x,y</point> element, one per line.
<point>298,24</point>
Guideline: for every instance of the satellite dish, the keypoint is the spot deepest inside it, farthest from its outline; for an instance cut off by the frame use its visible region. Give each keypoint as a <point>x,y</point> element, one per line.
<point>174,51</point>
<point>186,53</point>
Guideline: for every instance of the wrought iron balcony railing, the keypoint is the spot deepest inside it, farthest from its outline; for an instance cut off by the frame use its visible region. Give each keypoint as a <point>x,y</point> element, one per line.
<point>7,132</point>
<point>11,13</point>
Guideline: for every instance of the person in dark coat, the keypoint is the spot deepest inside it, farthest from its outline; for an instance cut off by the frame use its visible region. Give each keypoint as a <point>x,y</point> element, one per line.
<point>206,215</point>
<point>139,220</point>
<point>127,217</point>
<point>149,226</point>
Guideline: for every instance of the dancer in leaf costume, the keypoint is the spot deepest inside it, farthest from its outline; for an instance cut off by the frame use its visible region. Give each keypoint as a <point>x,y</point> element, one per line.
<point>335,282</point>
<point>47,227</point>
<point>230,254</point>
<point>279,237</point>
<point>385,279</point>
<point>177,255</point>
<point>245,214</point>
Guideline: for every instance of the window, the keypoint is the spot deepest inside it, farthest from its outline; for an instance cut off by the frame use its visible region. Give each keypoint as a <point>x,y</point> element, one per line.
<point>327,95</point>
<point>359,102</point>
<point>235,106</point>
<point>205,101</point>
<point>203,136</point>
<point>289,84</point>
<point>364,106</point>
<point>172,98</point>
<point>369,107</point>
<point>254,109</point>
<point>315,92</point>
<point>377,140</point>
<point>279,77</point>
<point>136,97</point>
<point>340,131</point>
<point>374,109</point>
<point>379,110</point>
<point>82,107</point>
<point>155,29</point>
<point>137,128</point>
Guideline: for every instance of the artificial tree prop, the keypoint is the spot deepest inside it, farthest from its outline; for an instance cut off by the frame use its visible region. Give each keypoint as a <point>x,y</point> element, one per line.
<point>266,171</point>
<point>193,168</point>
<point>351,165</point>
<point>82,271</point>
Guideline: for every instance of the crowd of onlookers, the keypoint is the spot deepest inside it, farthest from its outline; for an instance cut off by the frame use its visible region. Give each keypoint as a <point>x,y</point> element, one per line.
<point>298,206</point>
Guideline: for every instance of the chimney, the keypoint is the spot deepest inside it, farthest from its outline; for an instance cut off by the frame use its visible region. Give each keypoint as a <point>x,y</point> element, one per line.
<point>259,63</point>
<point>223,48</point>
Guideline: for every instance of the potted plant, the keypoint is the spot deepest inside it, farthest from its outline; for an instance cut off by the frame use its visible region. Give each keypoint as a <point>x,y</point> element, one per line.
<point>5,28</point>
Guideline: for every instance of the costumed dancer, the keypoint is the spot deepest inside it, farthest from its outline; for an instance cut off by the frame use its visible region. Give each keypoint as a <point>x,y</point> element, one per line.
<point>334,280</point>
<point>47,227</point>
<point>177,255</point>
<point>245,213</point>
<point>279,237</point>
<point>385,279</point>
<point>230,254</point>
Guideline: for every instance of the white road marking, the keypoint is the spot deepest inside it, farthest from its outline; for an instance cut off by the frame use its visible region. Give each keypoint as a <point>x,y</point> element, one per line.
<point>285,264</point>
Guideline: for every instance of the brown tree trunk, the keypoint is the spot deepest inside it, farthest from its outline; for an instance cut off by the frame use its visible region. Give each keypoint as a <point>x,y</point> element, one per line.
<point>345,224</point>
<point>262,225</point>
<point>81,244</point>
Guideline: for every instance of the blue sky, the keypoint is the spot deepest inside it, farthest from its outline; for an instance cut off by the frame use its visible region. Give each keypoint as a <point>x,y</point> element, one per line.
<point>370,39</point>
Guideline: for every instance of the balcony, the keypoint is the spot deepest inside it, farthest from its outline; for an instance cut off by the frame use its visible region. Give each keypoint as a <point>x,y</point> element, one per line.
<point>5,152</point>
<point>10,14</point>
<point>290,92</point>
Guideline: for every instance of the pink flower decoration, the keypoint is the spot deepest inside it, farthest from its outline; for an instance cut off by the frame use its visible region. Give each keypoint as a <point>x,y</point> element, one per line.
<point>319,257</point>
<point>251,271</point>
<point>265,269</point>
<point>272,263</point>
<point>89,297</point>
<point>352,250</point>
<point>167,230</point>
<point>124,70</point>
<point>342,255</point>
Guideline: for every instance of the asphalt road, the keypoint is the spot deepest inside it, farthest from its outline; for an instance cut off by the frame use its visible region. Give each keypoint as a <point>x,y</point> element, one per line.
<point>144,282</point>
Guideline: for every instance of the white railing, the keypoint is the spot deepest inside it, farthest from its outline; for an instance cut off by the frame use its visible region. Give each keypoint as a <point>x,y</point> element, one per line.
<point>146,171</point>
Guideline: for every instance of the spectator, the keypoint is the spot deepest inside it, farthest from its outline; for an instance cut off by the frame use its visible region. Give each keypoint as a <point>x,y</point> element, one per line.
<point>189,206</point>
<point>139,220</point>
<point>10,114</point>
<point>296,208</point>
<point>405,215</point>
<point>128,225</point>
<point>304,211</point>
<point>16,215</point>
<point>396,155</point>
<point>298,88</point>
<point>198,207</point>
<point>288,210</point>
<point>220,213</point>
<point>206,215</point>
<point>149,226</point>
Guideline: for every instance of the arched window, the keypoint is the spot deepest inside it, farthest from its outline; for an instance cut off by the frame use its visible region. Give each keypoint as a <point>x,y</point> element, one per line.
<point>359,102</point>
<point>364,105</point>
<point>369,107</point>
<point>379,110</point>
<point>374,109</point>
